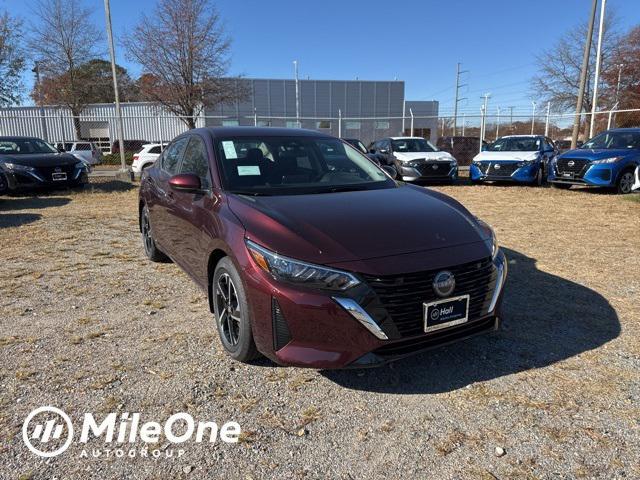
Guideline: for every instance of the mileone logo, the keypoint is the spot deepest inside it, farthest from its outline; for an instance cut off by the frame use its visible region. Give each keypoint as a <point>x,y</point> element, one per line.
<point>53,434</point>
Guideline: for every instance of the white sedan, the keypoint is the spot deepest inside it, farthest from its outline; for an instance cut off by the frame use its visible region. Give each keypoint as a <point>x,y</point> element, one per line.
<point>636,185</point>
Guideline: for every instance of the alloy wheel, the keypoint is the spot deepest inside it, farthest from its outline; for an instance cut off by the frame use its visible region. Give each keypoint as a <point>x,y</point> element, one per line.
<point>147,237</point>
<point>626,182</point>
<point>228,308</point>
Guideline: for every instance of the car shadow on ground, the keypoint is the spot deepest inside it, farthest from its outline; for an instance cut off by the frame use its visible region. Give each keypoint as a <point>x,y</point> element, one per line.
<point>8,220</point>
<point>546,319</point>
<point>110,186</point>
<point>32,203</point>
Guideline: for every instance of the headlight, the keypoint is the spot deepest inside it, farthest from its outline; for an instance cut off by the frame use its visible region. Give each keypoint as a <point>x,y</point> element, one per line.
<point>608,160</point>
<point>491,242</point>
<point>301,273</point>
<point>82,164</point>
<point>14,167</point>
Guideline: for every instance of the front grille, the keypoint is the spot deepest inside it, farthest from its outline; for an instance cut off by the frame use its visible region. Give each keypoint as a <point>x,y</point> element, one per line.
<point>575,166</point>
<point>484,167</point>
<point>405,347</point>
<point>403,295</point>
<point>502,169</point>
<point>434,169</point>
<point>47,172</point>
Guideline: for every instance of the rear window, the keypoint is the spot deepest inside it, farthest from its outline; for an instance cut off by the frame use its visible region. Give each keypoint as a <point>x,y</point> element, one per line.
<point>83,146</point>
<point>155,150</point>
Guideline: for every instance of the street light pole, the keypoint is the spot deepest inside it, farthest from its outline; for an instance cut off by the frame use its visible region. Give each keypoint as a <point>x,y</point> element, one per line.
<point>43,122</point>
<point>295,68</point>
<point>112,53</point>
<point>594,102</point>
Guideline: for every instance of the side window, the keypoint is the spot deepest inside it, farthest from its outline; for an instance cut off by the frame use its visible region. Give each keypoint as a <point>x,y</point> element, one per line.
<point>172,156</point>
<point>195,160</point>
<point>155,150</point>
<point>386,145</point>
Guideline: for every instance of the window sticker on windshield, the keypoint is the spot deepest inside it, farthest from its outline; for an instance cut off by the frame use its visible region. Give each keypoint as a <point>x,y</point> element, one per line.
<point>248,170</point>
<point>229,150</point>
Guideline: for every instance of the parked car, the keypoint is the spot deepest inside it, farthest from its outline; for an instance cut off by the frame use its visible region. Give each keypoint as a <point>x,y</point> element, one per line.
<point>636,183</point>
<point>607,160</point>
<point>354,142</point>
<point>28,163</point>
<point>463,149</point>
<point>415,159</point>
<point>514,158</point>
<point>146,157</point>
<point>130,146</point>
<point>277,227</point>
<point>86,151</point>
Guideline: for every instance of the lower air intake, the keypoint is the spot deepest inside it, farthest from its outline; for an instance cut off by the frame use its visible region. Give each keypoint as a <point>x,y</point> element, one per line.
<point>281,335</point>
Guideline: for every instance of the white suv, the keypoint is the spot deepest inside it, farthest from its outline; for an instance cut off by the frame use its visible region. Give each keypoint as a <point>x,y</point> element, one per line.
<point>86,151</point>
<point>146,157</point>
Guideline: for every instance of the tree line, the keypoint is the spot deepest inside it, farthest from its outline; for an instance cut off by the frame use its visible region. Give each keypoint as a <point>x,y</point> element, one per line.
<point>181,46</point>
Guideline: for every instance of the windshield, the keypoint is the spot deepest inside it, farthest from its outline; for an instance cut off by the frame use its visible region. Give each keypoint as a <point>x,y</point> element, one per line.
<point>17,146</point>
<point>515,144</point>
<point>412,145</point>
<point>295,165</point>
<point>614,140</point>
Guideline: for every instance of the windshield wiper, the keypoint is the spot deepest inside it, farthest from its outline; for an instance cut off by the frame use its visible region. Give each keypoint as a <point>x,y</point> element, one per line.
<point>248,193</point>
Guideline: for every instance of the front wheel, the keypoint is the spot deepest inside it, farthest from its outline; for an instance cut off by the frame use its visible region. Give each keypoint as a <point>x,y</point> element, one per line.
<point>539,181</point>
<point>625,182</point>
<point>232,312</point>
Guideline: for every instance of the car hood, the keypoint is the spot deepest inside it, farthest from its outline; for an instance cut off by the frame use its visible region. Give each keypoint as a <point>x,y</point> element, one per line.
<point>498,156</point>
<point>347,226</point>
<point>407,156</point>
<point>41,159</point>
<point>590,154</point>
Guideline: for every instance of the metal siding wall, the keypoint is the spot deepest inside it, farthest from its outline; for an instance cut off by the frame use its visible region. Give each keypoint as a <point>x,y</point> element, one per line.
<point>276,97</point>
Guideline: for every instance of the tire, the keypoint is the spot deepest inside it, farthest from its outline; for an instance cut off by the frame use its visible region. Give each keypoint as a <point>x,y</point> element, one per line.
<point>539,181</point>
<point>561,186</point>
<point>151,250</point>
<point>228,295</point>
<point>625,182</point>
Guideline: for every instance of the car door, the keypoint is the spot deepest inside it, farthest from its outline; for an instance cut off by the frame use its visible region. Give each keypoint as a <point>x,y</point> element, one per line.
<point>193,212</point>
<point>161,211</point>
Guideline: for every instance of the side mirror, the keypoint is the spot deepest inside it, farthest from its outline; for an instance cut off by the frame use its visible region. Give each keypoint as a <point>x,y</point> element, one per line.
<point>483,148</point>
<point>384,151</point>
<point>186,182</point>
<point>391,170</point>
<point>372,150</point>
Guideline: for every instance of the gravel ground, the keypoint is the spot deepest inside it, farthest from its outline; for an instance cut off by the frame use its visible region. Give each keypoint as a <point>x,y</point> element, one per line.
<point>89,325</point>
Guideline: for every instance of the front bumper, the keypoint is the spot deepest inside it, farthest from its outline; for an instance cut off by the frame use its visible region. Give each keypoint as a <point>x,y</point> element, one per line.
<point>594,175</point>
<point>21,181</point>
<point>427,171</point>
<point>487,171</point>
<point>310,328</point>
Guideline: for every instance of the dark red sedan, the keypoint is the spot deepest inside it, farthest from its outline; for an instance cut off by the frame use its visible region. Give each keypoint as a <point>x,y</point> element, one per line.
<point>312,255</point>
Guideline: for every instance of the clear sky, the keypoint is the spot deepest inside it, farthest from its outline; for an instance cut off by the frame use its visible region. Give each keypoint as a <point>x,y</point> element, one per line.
<point>417,41</point>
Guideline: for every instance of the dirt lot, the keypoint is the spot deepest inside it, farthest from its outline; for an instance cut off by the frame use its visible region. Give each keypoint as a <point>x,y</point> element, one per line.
<point>89,325</point>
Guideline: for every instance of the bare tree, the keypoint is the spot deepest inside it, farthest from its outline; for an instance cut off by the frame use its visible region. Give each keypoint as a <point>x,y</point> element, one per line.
<point>62,40</point>
<point>11,60</point>
<point>559,68</point>
<point>184,52</point>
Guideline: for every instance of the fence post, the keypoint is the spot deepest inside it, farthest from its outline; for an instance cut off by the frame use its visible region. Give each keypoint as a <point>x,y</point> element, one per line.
<point>159,132</point>
<point>255,117</point>
<point>411,113</point>
<point>339,123</point>
<point>498,124</point>
<point>546,124</point>
<point>482,114</point>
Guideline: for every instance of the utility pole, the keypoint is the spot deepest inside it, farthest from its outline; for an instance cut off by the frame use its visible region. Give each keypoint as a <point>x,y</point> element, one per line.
<point>457,98</point>
<point>464,122</point>
<point>43,122</point>
<point>498,124</point>
<point>583,75</point>
<point>511,118</point>
<point>112,53</point>
<point>533,115</point>
<point>295,67</point>
<point>594,102</point>
<point>546,124</point>
<point>620,67</point>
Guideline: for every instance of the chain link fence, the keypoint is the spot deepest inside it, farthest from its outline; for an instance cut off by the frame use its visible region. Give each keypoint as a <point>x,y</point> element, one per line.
<point>147,123</point>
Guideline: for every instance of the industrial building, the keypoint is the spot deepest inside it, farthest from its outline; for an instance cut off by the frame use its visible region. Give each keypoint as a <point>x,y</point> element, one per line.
<point>349,108</point>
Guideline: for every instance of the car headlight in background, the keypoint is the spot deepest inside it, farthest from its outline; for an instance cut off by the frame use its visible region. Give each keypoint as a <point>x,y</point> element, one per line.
<point>301,273</point>
<point>607,160</point>
<point>82,164</point>
<point>491,242</point>
<point>15,167</point>
<point>525,163</point>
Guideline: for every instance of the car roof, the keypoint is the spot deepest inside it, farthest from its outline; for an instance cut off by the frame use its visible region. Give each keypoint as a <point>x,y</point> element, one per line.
<point>8,138</point>
<point>521,136</point>
<point>219,132</point>
<point>406,138</point>
<point>626,129</point>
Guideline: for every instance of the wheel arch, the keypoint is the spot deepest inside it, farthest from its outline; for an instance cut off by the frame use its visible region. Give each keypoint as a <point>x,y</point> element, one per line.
<point>214,258</point>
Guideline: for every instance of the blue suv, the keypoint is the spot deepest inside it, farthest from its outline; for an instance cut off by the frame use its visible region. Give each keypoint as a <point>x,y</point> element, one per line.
<point>514,158</point>
<point>607,160</point>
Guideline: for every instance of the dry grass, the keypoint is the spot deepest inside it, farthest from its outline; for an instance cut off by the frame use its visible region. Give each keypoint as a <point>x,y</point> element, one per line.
<point>89,325</point>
